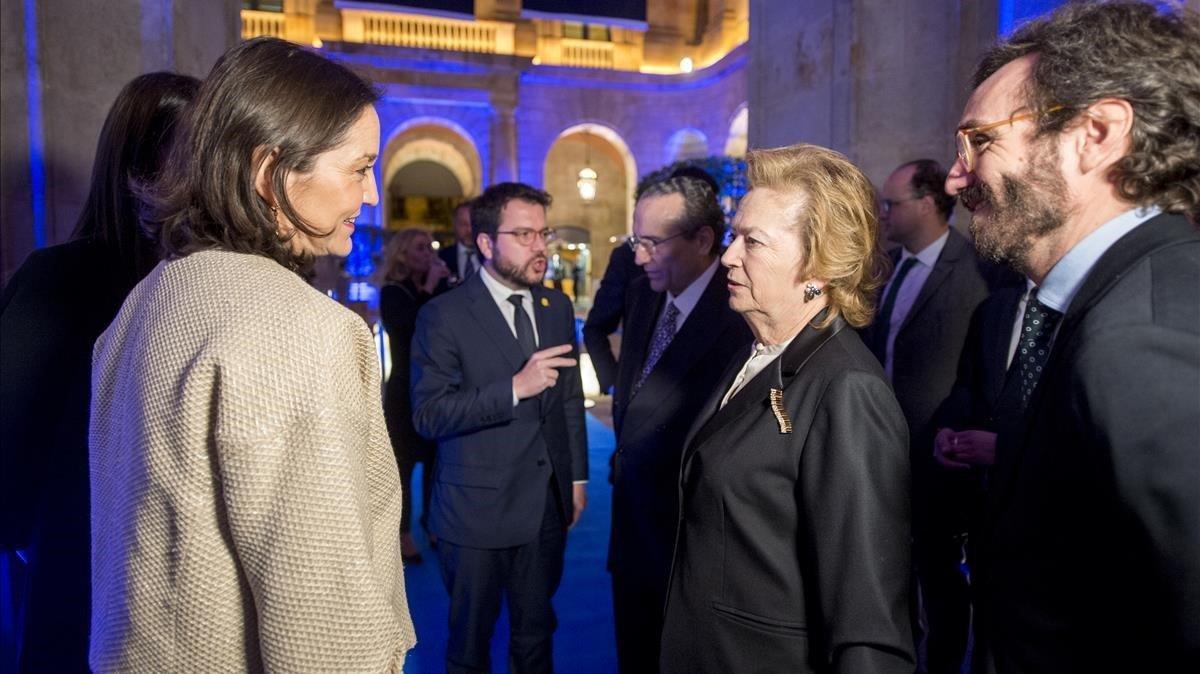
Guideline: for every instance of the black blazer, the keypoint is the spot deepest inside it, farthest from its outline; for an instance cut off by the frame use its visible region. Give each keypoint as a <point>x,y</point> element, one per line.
<point>930,341</point>
<point>1092,562</point>
<point>494,460</point>
<point>652,424</point>
<point>982,368</point>
<point>792,551</point>
<point>608,308</point>
<point>51,312</point>
<point>398,307</point>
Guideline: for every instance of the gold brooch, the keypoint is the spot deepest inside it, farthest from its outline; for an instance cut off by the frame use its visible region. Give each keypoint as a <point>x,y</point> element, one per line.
<point>785,424</point>
<point>545,302</point>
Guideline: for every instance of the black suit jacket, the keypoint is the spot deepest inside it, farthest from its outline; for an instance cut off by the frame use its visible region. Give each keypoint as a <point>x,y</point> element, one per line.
<point>652,424</point>
<point>608,308</point>
<point>494,460</point>
<point>51,313</point>
<point>792,552</point>
<point>1092,561</point>
<point>924,365</point>
<point>449,255</point>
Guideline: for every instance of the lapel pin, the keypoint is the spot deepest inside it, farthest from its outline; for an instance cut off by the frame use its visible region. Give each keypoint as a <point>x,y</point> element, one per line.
<point>785,424</point>
<point>545,302</point>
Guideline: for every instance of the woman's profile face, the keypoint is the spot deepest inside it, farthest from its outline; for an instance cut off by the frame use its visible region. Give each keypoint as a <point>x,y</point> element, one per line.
<point>331,195</point>
<point>418,254</point>
<point>764,259</point>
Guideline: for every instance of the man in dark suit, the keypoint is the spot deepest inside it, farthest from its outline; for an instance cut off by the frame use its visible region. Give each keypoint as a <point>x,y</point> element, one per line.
<point>495,381</point>
<point>679,333</point>
<point>463,257</point>
<point>918,333</point>
<point>607,312</point>
<point>1080,172</point>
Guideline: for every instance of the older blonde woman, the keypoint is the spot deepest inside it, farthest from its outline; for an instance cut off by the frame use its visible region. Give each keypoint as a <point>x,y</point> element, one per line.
<point>792,553</point>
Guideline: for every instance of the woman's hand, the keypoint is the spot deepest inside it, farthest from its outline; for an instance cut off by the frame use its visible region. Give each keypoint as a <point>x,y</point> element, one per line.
<point>437,271</point>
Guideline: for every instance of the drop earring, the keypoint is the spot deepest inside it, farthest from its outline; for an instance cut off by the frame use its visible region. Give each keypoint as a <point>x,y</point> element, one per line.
<point>811,291</point>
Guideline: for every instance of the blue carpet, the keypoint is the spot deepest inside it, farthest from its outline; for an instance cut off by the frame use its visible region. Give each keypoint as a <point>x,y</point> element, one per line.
<point>584,642</point>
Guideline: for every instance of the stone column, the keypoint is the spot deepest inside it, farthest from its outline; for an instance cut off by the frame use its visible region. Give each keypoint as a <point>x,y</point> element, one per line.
<point>503,133</point>
<point>63,64</point>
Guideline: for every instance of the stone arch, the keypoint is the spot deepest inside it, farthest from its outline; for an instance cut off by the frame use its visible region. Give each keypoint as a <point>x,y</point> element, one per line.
<point>431,139</point>
<point>618,144</point>
<point>686,144</point>
<point>739,126</point>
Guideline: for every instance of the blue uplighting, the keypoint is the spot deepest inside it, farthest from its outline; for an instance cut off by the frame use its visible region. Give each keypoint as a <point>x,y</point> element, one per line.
<point>37,146</point>
<point>1013,13</point>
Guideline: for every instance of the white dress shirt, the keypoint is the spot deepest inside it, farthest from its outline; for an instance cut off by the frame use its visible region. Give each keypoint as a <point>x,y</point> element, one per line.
<point>688,299</point>
<point>910,288</point>
<point>467,262</point>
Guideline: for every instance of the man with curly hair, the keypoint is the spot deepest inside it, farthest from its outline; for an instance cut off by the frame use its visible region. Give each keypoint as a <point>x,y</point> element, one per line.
<point>1079,156</point>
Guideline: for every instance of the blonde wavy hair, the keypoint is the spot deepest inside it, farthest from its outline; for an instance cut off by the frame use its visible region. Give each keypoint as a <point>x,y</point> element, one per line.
<point>394,268</point>
<point>836,218</point>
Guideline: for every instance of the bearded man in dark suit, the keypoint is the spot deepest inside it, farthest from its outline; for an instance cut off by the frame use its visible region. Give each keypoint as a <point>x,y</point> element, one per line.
<point>1078,156</point>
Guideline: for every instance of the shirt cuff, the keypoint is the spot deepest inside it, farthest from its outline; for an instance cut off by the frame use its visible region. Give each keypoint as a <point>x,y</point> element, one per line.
<point>580,482</point>
<point>516,400</point>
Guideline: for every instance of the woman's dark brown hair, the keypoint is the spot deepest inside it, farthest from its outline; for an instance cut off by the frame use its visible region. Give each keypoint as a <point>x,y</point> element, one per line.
<point>133,146</point>
<point>263,96</point>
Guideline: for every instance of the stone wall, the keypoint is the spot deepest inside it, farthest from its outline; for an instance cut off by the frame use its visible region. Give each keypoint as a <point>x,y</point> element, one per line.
<point>63,63</point>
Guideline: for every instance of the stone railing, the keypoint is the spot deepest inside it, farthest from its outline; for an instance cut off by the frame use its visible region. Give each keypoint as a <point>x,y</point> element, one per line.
<point>587,54</point>
<point>426,32</point>
<point>256,23</point>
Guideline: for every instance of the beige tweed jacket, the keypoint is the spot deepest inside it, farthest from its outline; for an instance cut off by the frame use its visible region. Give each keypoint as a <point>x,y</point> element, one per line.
<point>245,497</point>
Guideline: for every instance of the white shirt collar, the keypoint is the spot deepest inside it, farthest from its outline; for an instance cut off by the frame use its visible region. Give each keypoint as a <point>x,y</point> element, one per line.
<point>930,254</point>
<point>1067,275</point>
<point>690,296</point>
<point>501,292</point>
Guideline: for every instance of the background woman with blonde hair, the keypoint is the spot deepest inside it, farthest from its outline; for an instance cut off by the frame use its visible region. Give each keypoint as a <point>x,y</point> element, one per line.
<point>793,547</point>
<point>410,275</point>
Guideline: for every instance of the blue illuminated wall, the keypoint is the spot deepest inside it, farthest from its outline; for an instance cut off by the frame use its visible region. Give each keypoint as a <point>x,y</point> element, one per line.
<point>1015,12</point>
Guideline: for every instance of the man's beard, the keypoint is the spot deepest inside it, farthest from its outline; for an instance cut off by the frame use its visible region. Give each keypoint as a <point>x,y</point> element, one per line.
<point>1028,212</point>
<point>523,275</point>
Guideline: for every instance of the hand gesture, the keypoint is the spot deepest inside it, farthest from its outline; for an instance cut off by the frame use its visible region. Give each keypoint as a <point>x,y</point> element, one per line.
<point>964,449</point>
<point>541,372</point>
<point>437,271</point>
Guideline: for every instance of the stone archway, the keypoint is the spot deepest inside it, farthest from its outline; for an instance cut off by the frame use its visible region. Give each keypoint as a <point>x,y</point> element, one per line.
<point>433,140</point>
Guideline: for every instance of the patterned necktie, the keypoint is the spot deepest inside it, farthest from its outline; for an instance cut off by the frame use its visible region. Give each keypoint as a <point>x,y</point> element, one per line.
<point>662,338</point>
<point>884,321</point>
<point>524,327</point>
<point>1037,329</point>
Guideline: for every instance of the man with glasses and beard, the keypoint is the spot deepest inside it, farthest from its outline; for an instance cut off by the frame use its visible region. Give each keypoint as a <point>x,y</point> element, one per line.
<point>1079,155</point>
<point>496,383</point>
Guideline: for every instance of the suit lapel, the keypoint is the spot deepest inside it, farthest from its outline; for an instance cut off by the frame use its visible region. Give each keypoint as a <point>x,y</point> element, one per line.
<point>487,314</point>
<point>1155,234</point>
<point>702,327</point>
<point>755,394</point>
<point>540,310</point>
<point>635,340</point>
<point>951,253</point>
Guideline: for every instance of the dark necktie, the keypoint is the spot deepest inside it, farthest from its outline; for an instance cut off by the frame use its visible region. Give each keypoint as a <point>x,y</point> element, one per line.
<point>524,327</point>
<point>1037,329</point>
<point>883,321</point>
<point>662,339</point>
<point>470,265</point>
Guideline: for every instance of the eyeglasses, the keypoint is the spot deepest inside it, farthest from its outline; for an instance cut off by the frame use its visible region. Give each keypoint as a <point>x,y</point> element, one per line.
<point>967,150</point>
<point>647,243</point>
<point>525,235</point>
<point>887,205</point>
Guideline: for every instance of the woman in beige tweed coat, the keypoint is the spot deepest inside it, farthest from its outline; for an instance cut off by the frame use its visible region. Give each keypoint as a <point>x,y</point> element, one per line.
<point>245,499</point>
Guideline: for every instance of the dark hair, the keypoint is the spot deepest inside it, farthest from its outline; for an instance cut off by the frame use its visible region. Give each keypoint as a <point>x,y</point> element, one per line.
<point>700,207</point>
<point>929,180</point>
<point>461,205</point>
<point>698,173</point>
<point>486,208</point>
<point>1127,50</point>
<point>263,95</point>
<point>133,145</point>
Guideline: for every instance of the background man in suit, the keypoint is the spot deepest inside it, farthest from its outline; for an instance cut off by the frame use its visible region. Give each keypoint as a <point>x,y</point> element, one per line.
<point>509,422</point>
<point>918,333</point>
<point>679,333</point>
<point>1080,171</point>
<point>463,257</point>
<point>608,306</point>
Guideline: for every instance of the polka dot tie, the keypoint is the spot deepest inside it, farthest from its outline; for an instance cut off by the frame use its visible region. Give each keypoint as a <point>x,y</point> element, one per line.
<point>1037,329</point>
<point>662,339</point>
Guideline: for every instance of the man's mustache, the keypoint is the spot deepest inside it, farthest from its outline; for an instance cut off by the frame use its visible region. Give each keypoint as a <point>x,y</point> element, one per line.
<point>975,195</point>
